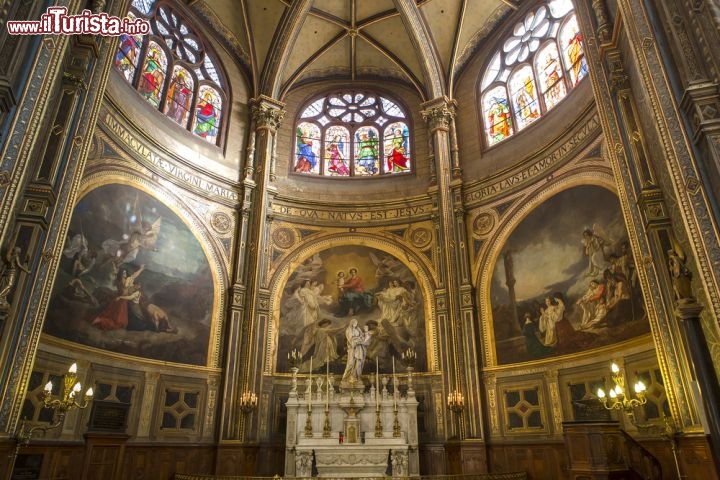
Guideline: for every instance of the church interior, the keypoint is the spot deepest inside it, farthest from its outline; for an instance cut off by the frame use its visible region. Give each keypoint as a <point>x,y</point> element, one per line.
<point>361,238</point>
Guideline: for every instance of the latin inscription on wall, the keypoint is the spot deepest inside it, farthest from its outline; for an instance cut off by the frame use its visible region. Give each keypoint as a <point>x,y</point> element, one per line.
<point>164,166</point>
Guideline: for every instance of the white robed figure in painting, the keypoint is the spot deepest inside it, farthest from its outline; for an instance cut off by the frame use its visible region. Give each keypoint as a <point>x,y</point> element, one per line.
<point>390,302</point>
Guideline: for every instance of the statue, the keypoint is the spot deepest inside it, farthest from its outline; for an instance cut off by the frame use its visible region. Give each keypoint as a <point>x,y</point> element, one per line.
<point>303,464</point>
<point>398,459</point>
<point>680,275</point>
<point>357,343</point>
<point>9,274</point>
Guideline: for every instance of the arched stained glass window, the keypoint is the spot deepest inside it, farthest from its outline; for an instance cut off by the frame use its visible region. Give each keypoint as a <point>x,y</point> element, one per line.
<point>352,134</point>
<point>533,70</point>
<point>172,69</point>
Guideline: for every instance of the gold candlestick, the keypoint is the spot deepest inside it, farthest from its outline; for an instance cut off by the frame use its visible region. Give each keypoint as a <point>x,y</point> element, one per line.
<point>396,423</point>
<point>378,424</point>
<point>308,425</point>
<point>326,425</point>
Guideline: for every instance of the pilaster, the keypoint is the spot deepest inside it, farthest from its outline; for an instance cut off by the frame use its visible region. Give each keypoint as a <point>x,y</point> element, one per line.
<point>43,168</point>
<point>456,295</point>
<point>250,300</point>
<point>642,198</point>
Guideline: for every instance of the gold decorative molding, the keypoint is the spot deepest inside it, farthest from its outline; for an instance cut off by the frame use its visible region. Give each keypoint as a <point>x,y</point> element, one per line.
<point>417,263</point>
<point>524,172</point>
<point>162,165</point>
<point>353,214</point>
<point>198,229</point>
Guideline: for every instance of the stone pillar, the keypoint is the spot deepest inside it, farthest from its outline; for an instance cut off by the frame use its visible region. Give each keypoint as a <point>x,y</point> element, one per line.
<point>454,299</point>
<point>43,159</point>
<point>250,300</point>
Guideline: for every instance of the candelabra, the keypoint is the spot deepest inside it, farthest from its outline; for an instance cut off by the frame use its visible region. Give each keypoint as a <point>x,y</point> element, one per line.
<point>248,402</point>
<point>295,359</point>
<point>408,358</point>
<point>456,401</point>
<point>456,404</point>
<point>68,400</point>
<point>618,400</point>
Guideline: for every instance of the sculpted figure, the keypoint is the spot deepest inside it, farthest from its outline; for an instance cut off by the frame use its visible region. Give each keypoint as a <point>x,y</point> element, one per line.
<point>9,275</point>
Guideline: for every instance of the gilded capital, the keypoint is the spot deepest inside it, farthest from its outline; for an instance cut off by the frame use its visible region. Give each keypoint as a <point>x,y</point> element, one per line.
<point>267,112</point>
<point>439,113</point>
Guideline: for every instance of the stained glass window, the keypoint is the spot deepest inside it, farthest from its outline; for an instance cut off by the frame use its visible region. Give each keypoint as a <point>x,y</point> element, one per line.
<point>126,58</point>
<point>534,68</point>
<point>172,69</point>
<point>352,134</point>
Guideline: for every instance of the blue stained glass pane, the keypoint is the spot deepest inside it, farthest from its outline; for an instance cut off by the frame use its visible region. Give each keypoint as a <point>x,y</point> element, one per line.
<point>143,6</point>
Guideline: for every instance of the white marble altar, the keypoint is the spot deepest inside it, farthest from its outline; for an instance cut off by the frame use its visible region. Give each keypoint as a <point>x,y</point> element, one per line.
<point>348,440</point>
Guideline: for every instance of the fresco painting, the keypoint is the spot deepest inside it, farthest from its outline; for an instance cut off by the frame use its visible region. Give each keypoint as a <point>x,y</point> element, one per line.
<point>330,289</point>
<point>565,280</point>
<point>133,279</point>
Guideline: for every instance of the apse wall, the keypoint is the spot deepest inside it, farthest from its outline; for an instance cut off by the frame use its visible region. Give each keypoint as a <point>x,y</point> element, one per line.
<point>549,246</point>
<point>139,299</point>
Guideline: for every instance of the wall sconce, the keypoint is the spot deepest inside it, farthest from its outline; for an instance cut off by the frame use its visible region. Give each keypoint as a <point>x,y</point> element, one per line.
<point>69,400</point>
<point>618,400</point>
<point>248,402</point>
<point>456,401</point>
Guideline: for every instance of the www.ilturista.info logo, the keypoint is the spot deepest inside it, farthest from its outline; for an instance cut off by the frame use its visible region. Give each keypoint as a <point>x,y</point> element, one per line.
<point>57,21</point>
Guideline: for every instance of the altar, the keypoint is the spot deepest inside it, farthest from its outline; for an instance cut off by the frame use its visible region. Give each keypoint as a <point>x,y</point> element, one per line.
<point>351,433</point>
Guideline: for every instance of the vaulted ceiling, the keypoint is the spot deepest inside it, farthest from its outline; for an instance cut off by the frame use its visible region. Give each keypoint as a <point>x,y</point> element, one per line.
<point>422,43</point>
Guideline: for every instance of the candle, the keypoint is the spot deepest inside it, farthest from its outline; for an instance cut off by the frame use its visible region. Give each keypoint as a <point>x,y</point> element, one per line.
<point>310,393</point>
<point>327,380</point>
<point>377,383</point>
<point>394,383</point>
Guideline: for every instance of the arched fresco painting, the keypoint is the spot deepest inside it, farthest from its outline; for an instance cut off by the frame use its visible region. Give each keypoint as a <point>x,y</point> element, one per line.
<point>330,289</point>
<point>565,281</point>
<point>133,279</point>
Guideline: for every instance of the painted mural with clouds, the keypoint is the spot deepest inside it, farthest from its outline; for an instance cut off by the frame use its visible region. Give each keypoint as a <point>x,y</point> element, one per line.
<point>565,281</point>
<point>328,290</point>
<point>133,279</point>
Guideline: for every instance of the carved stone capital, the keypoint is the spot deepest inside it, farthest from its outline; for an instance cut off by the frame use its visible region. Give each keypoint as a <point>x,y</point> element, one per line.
<point>439,113</point>
<point>267,113</point>
<point>616,68</point>
<point>688,311</point>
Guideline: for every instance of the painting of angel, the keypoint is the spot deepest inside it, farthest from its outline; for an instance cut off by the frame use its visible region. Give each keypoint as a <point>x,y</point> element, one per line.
<point>330,289</point>
<point>120,286</point>
<point>566,282</point>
